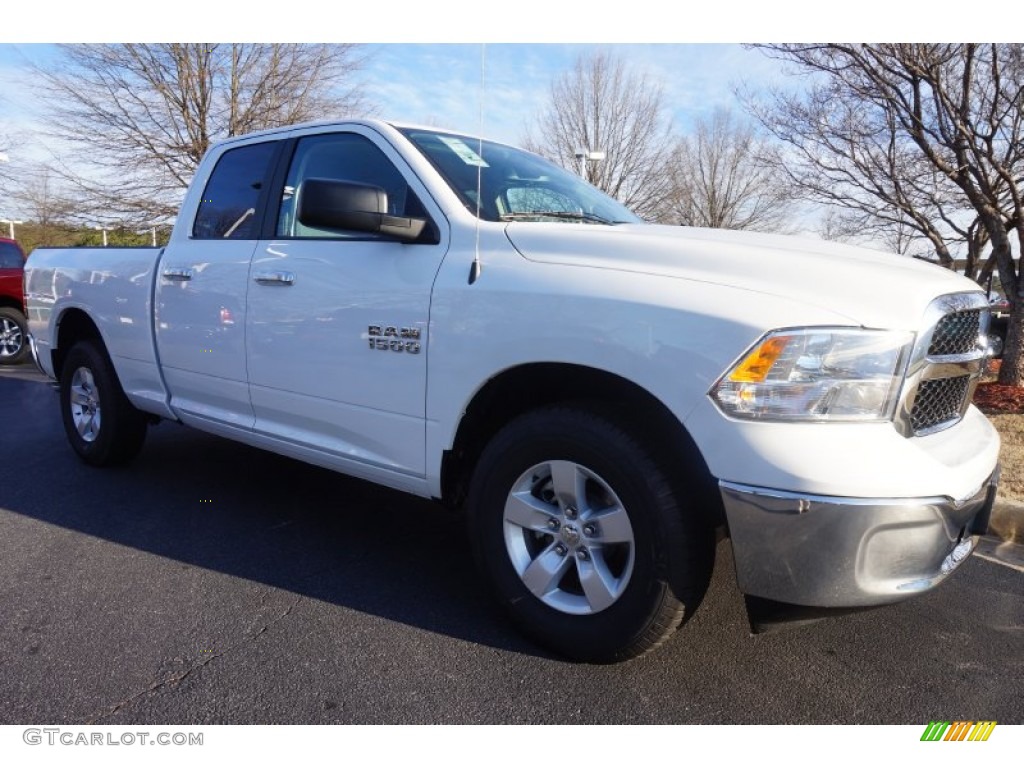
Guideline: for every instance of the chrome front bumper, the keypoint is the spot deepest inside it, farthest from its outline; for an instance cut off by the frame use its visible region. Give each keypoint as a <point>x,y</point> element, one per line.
<point>828,551</point>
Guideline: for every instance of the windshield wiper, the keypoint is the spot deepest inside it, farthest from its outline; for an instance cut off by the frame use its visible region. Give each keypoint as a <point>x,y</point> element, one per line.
<point>567,215</point>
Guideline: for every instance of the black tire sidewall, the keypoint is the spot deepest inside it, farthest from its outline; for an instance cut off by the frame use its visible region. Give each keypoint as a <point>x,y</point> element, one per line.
<point>116,440</point>
<point>588,440</point>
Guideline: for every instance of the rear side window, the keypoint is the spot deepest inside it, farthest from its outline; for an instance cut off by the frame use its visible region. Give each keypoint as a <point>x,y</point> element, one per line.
<point>230,202</point>
<point>10,256</point>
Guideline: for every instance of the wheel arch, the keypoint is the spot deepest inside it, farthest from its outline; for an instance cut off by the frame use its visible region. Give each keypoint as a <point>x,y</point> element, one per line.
<point>72,326</point>
<point>9,303</point>
<point>528,387</point>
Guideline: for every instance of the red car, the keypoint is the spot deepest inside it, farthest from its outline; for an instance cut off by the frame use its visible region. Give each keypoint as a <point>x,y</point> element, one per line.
<point>13,328</point>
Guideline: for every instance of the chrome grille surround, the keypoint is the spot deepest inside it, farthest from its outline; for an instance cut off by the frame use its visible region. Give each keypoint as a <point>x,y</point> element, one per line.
<point>946,364</point>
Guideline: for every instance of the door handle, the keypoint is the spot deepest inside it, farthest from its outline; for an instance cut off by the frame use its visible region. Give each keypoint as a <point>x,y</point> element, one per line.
<point>274,278</point>
<point>177,273</point>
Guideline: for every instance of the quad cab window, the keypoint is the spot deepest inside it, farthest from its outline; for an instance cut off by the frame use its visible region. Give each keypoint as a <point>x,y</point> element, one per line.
<point>342,157</point>
<point>229,208</point>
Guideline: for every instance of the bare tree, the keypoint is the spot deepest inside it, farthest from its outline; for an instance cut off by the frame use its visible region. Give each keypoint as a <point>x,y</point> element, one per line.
<point>839,227</point>
<point>903,235</point>
<point>858,160</point>
<point>44,202</point>
<point>5,157</point>
<point>723,177</point>
<point>10,177</point>
<point>8,148</point>
<point>602,106</point>
<point>935,131</point>
<point>142,116</point>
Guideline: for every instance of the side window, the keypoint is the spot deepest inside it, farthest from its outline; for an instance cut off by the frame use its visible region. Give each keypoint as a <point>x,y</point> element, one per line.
<point>342,157</point>
<point>10,256</point>
<point>230,200</point>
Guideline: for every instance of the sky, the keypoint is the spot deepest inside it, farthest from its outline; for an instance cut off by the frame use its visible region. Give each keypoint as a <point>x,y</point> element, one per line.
<point>425,56</point>
<point>442,84</point>
<point>496,90</point>
<point>480,69</point>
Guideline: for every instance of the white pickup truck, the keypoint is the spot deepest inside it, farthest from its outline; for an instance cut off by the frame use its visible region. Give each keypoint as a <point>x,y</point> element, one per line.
<point>467,322</point>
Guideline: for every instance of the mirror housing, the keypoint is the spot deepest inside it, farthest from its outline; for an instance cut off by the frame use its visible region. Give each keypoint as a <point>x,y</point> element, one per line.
<point>335,204</point>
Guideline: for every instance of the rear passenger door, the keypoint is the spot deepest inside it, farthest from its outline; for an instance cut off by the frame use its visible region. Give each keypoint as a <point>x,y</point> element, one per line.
<point>201,288</point>
<point>338,320</point>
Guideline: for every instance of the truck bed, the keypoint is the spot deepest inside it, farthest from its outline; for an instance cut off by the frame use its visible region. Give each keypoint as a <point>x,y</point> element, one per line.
<point>115,285</point>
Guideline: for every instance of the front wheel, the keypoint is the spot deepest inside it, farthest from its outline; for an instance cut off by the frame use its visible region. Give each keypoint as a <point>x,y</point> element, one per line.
<point>583,537</point>
<point>103,427</point>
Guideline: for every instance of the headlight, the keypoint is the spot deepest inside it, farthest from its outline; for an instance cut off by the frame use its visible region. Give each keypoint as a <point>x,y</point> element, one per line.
<point>817,374</point>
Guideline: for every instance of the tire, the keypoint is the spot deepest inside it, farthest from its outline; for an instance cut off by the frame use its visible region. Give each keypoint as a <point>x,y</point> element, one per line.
<point>13,337</point>
<point>997,337</point>
<point>103,427</point>
<point>583,538</point>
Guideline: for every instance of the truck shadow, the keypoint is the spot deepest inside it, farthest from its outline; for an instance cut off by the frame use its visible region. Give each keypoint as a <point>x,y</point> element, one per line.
<point>220,505</point>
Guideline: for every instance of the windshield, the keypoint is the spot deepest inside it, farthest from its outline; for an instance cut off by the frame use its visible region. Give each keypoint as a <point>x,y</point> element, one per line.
<point>515,185</point>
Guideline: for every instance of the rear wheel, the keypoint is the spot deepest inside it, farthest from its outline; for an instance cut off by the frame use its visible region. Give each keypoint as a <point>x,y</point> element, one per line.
<point>581,534</point>
<point>13,337</point>
<point>101,424</point>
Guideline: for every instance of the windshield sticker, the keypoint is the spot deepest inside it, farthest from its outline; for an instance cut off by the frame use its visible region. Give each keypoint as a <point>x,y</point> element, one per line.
<point>462,149</point>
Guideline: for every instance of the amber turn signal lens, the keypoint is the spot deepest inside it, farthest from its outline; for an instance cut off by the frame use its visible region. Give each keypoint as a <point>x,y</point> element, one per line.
<point>754,369</point>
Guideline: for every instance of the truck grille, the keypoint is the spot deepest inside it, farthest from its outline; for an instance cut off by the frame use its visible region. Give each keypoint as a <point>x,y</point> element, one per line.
<point>946,364</point>
<point>956,334</point>
<point>939,401</point>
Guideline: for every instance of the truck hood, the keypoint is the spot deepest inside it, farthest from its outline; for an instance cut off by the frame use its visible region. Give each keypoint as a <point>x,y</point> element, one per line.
<point>868,287</point>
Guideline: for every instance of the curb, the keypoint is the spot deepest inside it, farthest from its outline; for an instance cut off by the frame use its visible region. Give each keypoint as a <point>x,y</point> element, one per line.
<point>1007,521</point>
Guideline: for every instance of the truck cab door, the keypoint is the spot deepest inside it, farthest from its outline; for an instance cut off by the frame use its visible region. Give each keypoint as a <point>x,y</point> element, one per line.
<point>337,320</point>
<point>201,286</point>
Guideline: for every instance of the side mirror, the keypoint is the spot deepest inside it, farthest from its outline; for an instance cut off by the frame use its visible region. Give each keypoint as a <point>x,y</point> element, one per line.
<point>346,205</point>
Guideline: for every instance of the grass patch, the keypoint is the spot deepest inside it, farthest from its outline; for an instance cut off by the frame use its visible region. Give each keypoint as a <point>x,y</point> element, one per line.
<point>1011,430</point>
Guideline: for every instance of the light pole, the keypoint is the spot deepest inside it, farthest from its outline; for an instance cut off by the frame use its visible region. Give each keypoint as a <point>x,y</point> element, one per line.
<point>583,155</point>
<point>10,224</point>
<point>104,230</point>
<point>151,231</point>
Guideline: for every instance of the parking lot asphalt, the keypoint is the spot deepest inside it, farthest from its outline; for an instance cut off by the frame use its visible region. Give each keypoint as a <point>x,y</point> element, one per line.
<point>214,583</point>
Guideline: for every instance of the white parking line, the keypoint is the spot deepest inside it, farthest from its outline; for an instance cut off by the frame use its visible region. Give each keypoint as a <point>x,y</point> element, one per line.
<point>1001,552</point>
